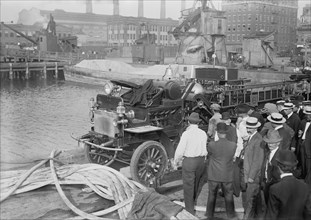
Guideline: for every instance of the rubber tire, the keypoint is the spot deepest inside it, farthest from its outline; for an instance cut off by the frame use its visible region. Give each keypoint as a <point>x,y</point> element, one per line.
<point>137,154</point>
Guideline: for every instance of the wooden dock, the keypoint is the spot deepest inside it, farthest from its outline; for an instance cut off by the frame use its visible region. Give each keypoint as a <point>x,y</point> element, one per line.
<point>31,70</point>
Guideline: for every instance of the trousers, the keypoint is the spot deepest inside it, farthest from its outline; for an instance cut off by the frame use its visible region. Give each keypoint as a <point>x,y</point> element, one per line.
<point>227,189</point>
<point>192,172</point>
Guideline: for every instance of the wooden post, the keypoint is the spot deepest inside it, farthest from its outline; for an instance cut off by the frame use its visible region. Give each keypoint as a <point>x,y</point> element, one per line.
<point>44,71</point>
<point>27,71</point>
<point>56,71</point>
<point>11,71</point>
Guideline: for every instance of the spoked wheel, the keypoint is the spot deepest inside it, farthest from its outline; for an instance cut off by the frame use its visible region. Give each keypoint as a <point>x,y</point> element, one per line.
<point>148,163</point>
<point>99,156</point>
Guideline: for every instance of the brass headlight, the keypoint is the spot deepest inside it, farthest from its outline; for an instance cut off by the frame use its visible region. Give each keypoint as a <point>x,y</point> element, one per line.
<point>108,87</point>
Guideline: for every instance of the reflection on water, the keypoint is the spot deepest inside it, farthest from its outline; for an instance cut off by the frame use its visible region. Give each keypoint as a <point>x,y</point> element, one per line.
<point>38,116</point>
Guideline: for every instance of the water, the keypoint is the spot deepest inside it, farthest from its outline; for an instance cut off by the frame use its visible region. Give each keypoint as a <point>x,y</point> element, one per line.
<point>37,117</point>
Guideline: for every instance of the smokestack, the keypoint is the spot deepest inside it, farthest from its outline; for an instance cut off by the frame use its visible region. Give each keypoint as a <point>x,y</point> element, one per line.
<point>115,7</point>
<point>89,8</point>
<point>183,5</point>
<point>163,10</point>
<point>140,8</point>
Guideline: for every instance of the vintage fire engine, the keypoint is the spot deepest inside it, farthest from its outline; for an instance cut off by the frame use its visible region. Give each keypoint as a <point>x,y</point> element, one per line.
<point>140,125</point>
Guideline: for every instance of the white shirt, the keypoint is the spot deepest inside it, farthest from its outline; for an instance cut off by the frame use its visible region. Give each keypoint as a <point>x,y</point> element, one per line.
<point>242,128</point>
<point>192,144</point>
<point>271,155</point>
<point>306,128</point>
<point>290,114</point>
<point>278,127</point>
<point>239,144</point>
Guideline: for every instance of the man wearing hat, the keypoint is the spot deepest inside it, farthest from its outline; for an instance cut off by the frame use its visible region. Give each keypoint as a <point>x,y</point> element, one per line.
<point>293,121</point>
<point>213,120</point>
<point>304,149</point>
<point>276,121</point>
<point>253,159</point>
<point>191,150</point>
<point>279,105</point>
<point>270,172</point>
<point>220,171</point>
<point>290,198</point>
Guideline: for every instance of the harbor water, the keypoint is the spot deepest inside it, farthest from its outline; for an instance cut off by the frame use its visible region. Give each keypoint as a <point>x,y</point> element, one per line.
<point>39,116</point>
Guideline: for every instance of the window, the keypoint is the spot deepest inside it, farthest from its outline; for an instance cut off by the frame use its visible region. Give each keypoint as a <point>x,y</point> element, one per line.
<point>249,17</point>
<point>229,28</point>
<point>229,37</point>
<point>243,27</point>
<point>219,27</point>
<point>233,28</point>
<point>11,34</point>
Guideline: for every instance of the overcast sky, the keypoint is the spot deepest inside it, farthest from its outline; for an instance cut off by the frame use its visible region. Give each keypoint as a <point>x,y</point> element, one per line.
<point>11,8</point>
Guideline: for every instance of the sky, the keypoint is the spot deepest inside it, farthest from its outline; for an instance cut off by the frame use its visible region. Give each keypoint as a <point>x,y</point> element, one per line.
<point>11,8</point>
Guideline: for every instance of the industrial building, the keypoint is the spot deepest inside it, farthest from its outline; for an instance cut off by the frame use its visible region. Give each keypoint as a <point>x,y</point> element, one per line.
<point>304,29</point>
<point>250,17</point>
<point>111,30</point>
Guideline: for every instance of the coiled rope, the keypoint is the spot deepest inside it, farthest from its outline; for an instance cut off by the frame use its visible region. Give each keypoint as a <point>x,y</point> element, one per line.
<point>103,180</point>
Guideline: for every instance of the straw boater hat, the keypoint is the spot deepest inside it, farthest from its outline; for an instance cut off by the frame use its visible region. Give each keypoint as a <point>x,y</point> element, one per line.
<point>276,118</point>
<point>288,105</point>
<point>307,110</point>
<point>194,117</point>
<point>272,136</point>
<point>280,102</point>
<point>286,157</point>
<point>252,122</point>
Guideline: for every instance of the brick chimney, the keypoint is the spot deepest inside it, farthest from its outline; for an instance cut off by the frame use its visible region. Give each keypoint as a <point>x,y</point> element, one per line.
<point>89,8</point>
<point>116,7</point>
<point>163,10</point>
<point>140,8</point>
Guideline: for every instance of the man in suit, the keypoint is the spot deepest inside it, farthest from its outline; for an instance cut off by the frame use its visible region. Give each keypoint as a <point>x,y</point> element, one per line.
<point>220,171</point>
<point>276,121</point>
<point>253,159</point>
<point>290,198</point>
<point>270,173</point>
<point>191,150</point>
<point>304,149</point>
<point>293,121</point>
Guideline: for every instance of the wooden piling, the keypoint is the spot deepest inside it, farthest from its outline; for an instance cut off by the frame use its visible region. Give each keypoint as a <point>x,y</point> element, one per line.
<point>27,71</point>
<point>56,70</point>
<point>44,71</point>
<point>10,71</point>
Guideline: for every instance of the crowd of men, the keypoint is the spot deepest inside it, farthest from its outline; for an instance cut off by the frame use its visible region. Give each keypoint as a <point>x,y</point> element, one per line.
<point>264,156</point>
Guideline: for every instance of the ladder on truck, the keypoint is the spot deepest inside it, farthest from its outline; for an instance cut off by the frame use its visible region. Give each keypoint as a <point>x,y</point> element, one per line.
<point>255,95</point>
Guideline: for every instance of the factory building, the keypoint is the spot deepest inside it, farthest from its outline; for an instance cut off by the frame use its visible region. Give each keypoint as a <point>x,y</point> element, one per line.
<point>247,18</point>
<point>111,30</point>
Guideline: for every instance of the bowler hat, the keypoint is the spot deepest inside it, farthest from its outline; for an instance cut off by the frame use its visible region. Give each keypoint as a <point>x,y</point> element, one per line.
<point>242,109</point>
<point>252,122</point>
<point>272,136</point>
<point>276,118</point>
<point>307,110</point>
<point>225,116</point>
<point>194,117</point>
<point>286,157</point>
<point>222,128</point>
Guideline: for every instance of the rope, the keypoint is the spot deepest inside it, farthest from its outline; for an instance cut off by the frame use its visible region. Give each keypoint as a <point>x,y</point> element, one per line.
<point>104,181</point>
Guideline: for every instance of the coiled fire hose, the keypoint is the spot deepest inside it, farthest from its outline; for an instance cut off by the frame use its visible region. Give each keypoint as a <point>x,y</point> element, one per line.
<point>104,181</point>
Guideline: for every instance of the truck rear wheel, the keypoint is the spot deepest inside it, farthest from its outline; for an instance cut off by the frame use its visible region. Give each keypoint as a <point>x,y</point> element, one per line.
<point>148,163</point>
